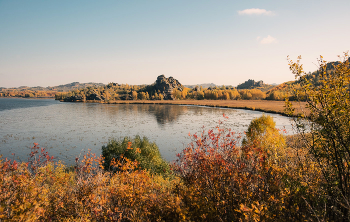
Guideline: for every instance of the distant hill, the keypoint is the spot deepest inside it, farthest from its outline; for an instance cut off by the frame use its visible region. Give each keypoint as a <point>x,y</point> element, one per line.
<point>204,85</point>
<point>60,88</point>
<point>38,91</point>
<point>73,86</point>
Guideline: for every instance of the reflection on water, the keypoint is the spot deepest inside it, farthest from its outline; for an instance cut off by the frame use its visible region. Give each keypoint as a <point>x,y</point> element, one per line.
<point>67,129</point>
<point>163,113</point>
<point>166,113</point>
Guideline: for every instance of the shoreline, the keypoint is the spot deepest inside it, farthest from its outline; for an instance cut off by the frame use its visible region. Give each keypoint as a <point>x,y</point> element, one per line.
<point>267,106</point>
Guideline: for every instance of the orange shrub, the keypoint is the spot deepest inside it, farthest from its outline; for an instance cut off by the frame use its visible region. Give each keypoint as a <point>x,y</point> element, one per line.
<point>50,191</point>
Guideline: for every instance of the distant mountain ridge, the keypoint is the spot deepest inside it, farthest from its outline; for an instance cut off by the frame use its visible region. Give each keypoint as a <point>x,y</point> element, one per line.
<point>60,88</point>
<point>204,85</point>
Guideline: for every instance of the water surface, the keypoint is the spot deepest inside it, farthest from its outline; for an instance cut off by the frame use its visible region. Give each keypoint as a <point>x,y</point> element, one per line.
<point>66,130</point>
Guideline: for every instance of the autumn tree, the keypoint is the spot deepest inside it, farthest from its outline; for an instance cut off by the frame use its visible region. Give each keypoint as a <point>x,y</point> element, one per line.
<point>327,135</point>
<point>257,94</point>
<point>141,95</point>
<point>262,132</point>
<point>134,95</point>
<point>176,94</point>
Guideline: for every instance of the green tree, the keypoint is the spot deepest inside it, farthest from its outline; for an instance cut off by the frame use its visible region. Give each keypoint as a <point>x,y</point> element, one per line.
<point>327,136</point>
<point>146,153</point>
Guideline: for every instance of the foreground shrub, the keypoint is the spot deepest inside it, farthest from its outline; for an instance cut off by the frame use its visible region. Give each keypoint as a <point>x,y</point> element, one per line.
<point>138,149</point>
<point>262,180</point>
<point>225,182</point>
<point>87,193</point>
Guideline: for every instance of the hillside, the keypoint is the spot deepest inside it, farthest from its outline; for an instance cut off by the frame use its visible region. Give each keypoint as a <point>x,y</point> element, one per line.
<point>39,91</point>
<point>281,91</point>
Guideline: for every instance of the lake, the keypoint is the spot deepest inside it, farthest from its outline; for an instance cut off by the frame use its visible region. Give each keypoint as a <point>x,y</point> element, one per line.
<point>66,130</point>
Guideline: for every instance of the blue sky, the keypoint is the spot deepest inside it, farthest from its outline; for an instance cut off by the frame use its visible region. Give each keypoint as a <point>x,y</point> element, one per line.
<point>48,43</point>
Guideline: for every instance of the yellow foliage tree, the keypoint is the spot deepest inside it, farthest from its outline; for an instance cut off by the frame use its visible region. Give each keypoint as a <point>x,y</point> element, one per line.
<point>327,135</point>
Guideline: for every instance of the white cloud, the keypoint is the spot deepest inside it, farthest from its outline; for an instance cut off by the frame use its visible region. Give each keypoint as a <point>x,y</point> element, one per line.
<point>268,40</point>
<point>255,11</point>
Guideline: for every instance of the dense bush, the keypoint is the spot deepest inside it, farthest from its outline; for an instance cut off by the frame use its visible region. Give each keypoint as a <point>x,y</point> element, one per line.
<point>140,149</point>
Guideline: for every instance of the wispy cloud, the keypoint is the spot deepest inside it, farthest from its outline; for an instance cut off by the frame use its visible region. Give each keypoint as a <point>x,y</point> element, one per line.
<point>267,40</point>
<point>255,11</point>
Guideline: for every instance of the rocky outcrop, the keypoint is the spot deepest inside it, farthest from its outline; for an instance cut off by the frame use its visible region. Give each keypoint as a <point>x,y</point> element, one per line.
<point>249,84</point>
<point>112,84</point>
<point>166,86</point>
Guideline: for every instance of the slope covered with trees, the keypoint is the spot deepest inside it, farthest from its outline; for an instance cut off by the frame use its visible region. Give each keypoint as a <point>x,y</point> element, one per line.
<point>287,89</point>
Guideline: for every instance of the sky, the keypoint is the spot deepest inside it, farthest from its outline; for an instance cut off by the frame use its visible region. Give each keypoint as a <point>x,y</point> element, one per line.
<point>225,42</point>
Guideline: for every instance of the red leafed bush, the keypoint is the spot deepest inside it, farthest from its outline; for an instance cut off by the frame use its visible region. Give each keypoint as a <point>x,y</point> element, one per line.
<point>226,182</point>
